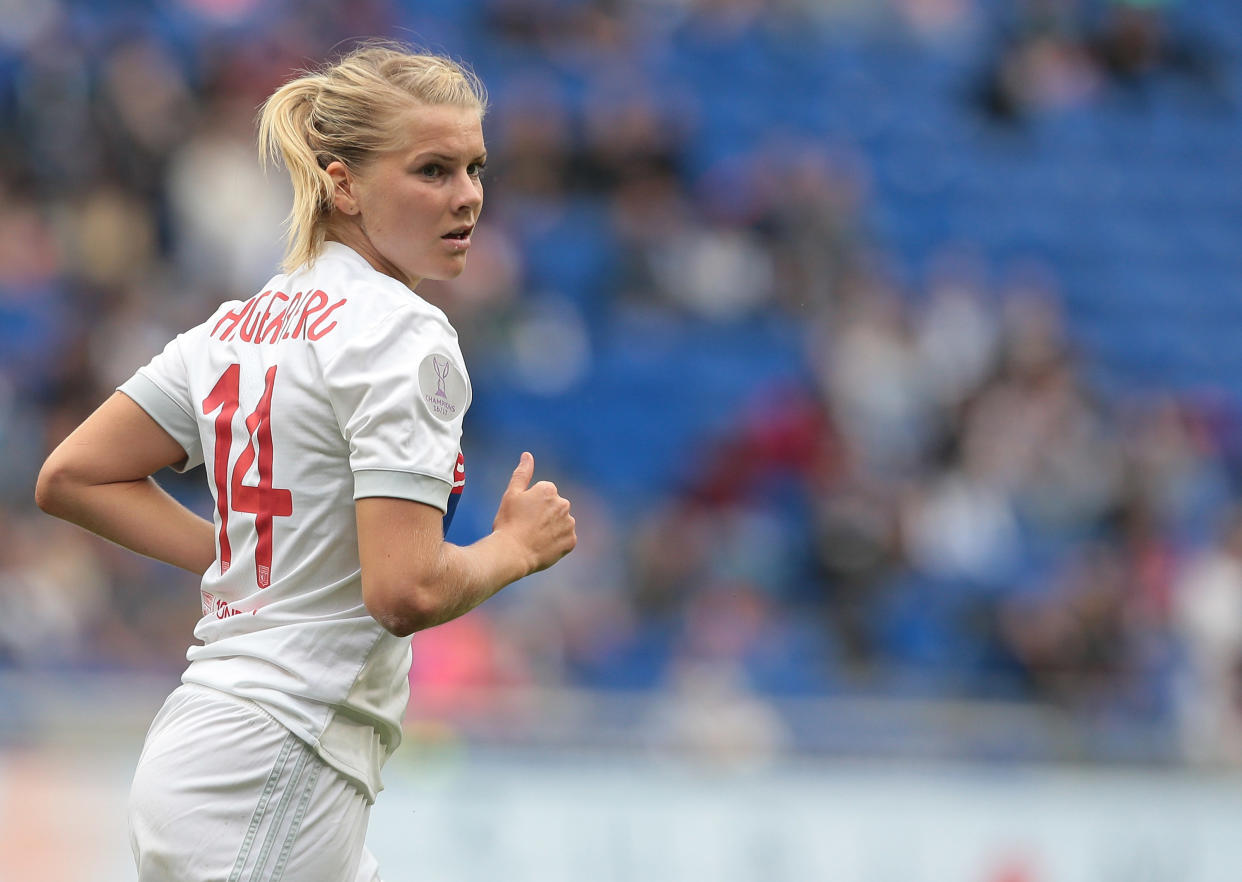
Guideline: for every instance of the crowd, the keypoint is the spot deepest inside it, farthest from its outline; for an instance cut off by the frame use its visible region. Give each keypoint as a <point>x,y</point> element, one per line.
<point>936,502</point>
<point>1060,55</point>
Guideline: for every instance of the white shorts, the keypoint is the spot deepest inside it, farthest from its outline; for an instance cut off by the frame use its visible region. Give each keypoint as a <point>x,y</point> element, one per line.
<point>224,793</point>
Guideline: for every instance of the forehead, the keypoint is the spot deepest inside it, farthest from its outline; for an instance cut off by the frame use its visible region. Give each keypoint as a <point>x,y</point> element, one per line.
<point>438,128</point>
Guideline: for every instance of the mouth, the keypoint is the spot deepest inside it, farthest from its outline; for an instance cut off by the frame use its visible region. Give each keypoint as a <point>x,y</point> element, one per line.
<point>461,234</point>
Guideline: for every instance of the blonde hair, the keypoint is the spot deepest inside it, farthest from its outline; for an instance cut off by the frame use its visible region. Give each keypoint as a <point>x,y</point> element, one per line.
<point>343,112</point>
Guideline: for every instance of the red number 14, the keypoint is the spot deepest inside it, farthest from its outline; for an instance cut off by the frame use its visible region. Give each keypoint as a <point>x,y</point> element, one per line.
<point>262,500</point>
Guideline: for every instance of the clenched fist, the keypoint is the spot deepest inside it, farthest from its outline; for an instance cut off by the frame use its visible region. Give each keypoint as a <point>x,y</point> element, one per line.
<point>536,517</point>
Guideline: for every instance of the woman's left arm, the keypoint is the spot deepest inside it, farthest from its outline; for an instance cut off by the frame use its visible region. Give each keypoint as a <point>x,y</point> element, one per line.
<point>100,478</point>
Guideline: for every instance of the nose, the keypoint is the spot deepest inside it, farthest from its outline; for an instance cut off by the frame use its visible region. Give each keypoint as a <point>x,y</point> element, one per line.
<point>468,194</point>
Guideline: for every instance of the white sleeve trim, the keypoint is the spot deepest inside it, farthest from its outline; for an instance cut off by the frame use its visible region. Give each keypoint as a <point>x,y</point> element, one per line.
<point>402,485</point>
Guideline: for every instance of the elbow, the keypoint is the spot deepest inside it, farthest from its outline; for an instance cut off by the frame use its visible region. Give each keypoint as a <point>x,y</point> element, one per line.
<point>398,623</point>
<point>403,610</point>
<point>52,488</point>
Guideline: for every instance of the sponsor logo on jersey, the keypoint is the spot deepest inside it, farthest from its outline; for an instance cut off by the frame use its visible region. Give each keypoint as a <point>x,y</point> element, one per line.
<point>224,610</point>
<point>443,387</point>
<point>219,607</point>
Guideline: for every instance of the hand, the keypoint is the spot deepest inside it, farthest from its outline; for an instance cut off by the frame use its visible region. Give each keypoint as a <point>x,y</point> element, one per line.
<point>536,518</point>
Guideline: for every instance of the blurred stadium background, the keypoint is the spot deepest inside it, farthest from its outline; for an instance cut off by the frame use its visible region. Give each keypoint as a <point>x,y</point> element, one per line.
<point>888,350</point>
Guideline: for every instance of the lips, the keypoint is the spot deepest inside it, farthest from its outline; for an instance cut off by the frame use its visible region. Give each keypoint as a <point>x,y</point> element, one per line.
<point>459,233</point>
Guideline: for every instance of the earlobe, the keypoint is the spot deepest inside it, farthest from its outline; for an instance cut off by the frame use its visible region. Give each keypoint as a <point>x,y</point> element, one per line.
<point>343,199</point>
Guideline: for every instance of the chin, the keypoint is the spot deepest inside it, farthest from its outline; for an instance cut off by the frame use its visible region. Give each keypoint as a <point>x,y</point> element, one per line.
<point>445,274</point>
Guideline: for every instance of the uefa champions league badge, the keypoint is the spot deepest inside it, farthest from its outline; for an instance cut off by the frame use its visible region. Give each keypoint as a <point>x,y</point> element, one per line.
<point>443,387</point>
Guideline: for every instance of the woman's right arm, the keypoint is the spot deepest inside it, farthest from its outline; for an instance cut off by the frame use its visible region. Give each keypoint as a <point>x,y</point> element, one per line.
<point>99,478</point>
<point>413,579</point>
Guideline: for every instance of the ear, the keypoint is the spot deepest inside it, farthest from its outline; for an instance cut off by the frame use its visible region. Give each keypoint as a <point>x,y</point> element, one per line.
<point>344,197</point>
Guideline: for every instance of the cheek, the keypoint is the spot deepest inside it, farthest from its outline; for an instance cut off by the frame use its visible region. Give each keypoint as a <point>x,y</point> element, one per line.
<point>415,209</point>
<point>401,215</point>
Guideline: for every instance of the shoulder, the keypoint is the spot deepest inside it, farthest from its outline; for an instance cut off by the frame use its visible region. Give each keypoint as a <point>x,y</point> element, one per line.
<point>378,324</point>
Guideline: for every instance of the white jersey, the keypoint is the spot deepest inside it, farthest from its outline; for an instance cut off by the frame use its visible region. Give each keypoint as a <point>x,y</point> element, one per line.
<point>334,383</point>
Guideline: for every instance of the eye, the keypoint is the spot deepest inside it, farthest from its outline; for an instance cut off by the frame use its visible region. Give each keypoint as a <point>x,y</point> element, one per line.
<point>476,169</point>
<point>431,170</point>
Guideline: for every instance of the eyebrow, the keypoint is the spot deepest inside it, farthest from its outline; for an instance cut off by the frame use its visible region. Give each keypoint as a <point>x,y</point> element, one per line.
<point>444,157</point>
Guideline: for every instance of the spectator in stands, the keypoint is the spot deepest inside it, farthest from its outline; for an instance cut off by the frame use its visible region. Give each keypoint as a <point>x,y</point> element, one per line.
<point>1208,617</point>
<point>1062,54</point>
<point>1135,40</point>
<point>1041,64</point>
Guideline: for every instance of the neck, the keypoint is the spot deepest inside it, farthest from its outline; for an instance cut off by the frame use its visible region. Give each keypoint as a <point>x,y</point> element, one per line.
<point>354,235</point>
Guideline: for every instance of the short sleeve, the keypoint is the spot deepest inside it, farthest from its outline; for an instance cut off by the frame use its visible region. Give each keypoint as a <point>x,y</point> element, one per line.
<point>400,390</point>
<point>162,389</point>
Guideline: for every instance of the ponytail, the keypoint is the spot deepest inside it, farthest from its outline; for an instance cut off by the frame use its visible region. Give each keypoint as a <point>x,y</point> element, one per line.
<point>286,135</point>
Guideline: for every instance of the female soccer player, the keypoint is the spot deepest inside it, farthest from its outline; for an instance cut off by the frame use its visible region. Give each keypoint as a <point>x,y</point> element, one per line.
<point>327,410</point>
